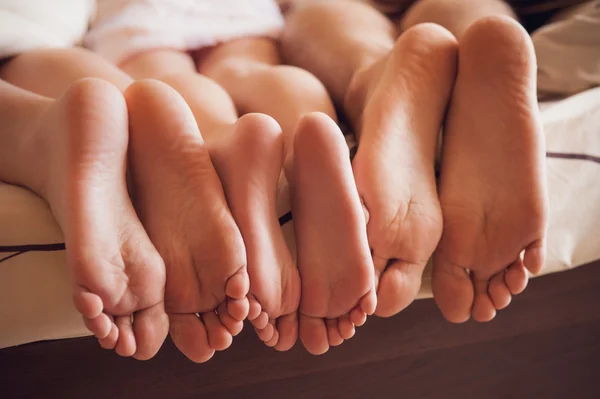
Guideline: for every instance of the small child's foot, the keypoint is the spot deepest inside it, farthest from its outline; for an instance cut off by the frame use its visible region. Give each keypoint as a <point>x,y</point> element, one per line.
<point>181,203</point>
<point>248,160</point>
<point>492,183</point>
<point>118,274</point>
<point>398,105</point>
<point>333,255</point>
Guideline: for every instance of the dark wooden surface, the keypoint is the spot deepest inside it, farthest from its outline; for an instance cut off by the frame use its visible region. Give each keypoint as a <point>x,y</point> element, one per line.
<point>545,345</point>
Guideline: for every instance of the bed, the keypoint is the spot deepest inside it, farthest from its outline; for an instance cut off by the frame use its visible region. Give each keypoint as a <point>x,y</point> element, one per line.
<point>550,331</point>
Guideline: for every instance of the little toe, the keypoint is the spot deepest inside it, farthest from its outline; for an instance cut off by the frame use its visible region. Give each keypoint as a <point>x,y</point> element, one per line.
<point>313,334</point>
<point>452,290</point>
<point>238,285</point>
<point>516,277</point>
<point>358,317</point>
<point>110,341</point>
<point>254,308</point>
<point>483,307</point>
<point>261,321</point>
<point>219,337</point>
<point>287,326</point>
<point>333,332</point>
<point>151,327</point>
<point>234,326</point>
<point>499,292</point>
<point>265,334</point>
<point>126,345</point>
<point>100,326</point>
<point>190,336</point>
<point>346,327</point>
<point>273,341</point>
<point>535,255</point>
<point>238,308</point>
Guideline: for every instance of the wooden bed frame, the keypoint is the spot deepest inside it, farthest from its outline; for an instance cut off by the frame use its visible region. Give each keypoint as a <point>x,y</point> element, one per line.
<point>545,345</point>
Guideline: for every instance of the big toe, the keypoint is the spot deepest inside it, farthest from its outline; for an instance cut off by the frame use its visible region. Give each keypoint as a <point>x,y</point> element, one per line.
<point>452,290</point>
<point>150,327</point>
<point>313,334</point>
<point>398,287</point>
<point>287,326</point>
<point>190,336</point>
<point>219,336</point>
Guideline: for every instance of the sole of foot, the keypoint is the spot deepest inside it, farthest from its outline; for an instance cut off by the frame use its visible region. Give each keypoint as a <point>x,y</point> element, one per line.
<point>492,184</point>
<point>336,269</point>
<point>398,105</point>
<point>180,200</point>
<point>249,160</point>
<point>119,276</point>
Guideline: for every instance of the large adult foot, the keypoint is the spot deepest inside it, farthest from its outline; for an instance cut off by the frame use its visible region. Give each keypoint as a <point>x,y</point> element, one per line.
<point>492,183</point>
<point>118,275</point>
<point>397,105</point>
<point>181,203</point>
<point>333,255</point>
<point>248,158</point>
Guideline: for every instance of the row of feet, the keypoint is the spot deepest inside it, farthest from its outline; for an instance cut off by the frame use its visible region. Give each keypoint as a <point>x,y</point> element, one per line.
<point>193,246</point>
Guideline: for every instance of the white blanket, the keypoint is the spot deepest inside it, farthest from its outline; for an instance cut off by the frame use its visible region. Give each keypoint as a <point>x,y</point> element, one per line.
<point>31,24</point>
<point>35,296</point>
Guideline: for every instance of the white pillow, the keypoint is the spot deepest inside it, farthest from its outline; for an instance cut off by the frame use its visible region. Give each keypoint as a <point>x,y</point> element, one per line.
<point>568,51</point>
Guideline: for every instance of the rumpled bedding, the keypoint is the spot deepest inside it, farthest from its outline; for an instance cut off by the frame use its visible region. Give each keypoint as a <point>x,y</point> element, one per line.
<point>35,294</point>
<point>32,24</point>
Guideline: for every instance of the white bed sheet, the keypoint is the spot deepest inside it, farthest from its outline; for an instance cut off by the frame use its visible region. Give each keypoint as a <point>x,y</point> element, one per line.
<point>35,299</point>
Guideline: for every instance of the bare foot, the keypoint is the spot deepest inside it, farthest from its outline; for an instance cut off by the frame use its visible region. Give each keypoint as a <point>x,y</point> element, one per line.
<point>248,160</point>
<point>118,274</point>
<point>181,203</point>
<point>334,260</point>
<point>492,184</point>
<point>398,105</point>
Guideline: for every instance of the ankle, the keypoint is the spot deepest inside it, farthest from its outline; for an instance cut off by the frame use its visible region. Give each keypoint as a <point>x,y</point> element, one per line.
<point>36,145</point>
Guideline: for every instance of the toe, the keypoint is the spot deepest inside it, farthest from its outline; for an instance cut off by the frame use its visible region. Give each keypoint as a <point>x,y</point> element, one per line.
<point>358,317</point>
<point>110,341</point>
<point>313,334</point>
<point>333,332</point>
<point>88,304</point>
<point>238,284</point>
<point>534,257</point>
<point>273,341</point>
<point>126,345</point>
<point>233,326</point>
<point>100,326</point>
<point>219,337</point>
<point>287,326</point>
<point>151,327</point>
<point>265,334</point>
<point>238,308</point>
<point>452,290</point>
<point>483,308</point>
<point>346,327</point>
<point>254,308</point>
<point>261,321</point>
<point>368,303</point>
<point>499,292</point>
<point>516,277</point>
<point>398,287</point>
<point>190,336</point>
